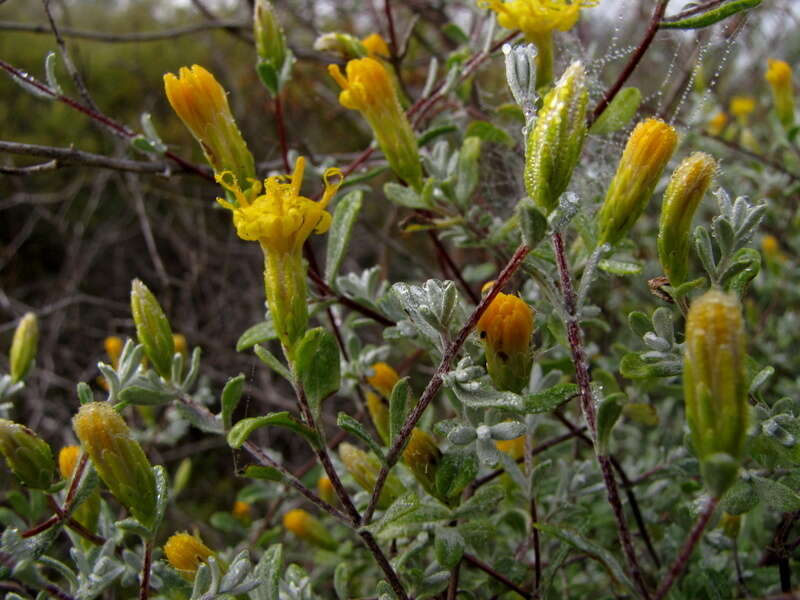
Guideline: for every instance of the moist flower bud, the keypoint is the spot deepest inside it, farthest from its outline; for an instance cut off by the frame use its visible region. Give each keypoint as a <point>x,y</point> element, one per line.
<point>506,328</point>
<point>685,190</point>
<point>649,148</point>
<point>267,31</point>
<point>27,455</point>
<point>185,553</point>
<point>364,468</point>
<point>779,77</point>
<point>369,89</point>
<point>23,347</point>
<point>325,489</point>
<point>554,145</point>
<point>152,328</point>
<point>202,104</point>
<point>714,386</point>
<point>118,459</point>
<point>383,379</point>
<point>422,456</point>
<point>308,528</point>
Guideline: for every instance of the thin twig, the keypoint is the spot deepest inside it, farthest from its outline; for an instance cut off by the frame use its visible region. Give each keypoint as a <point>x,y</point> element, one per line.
<point>688,547</point>
<point>537,550</point>
<point>125,38</point>
<point>575,337</point>
<point>280,125</point>
<point>475,562</point>
<point>436,381</point>
<point>636,57</point>
<point>144,588</point>
<point>452,585</point>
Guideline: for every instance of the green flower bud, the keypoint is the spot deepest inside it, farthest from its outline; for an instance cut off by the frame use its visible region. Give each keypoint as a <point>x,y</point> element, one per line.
<point>364,468</point>
<point>270,40</point>
<point>27,455</point>
<point>307,527</point>
<point>554,145</point>
<point>118,459</point>
<point>714,386</point>
<point>422,456</point>
<point>152,328</point>
<point>647,152</point>
<point>343,45</point>
<point>23,347</point>
<point>686,189</point>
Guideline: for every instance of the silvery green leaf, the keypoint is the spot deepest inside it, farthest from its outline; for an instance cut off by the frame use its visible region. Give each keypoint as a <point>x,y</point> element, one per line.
<point>272,361</point>
<point>761,378</point>
<point>468,170</point>
<point>399,407</point>
<point>487,452</point>
<point>656,342</point>
<point>776,494</point>
<point>589,273</point>
<point>268,573</point>
<point>663,324</point>
<point>724,234</point>
<point>194,371</point>
<point>568,207</point>
<point>508,430</point>
<point>202,419</point>
<point>462,435</point>
<point>50,73</point>
<point>353,426</point>
<point>702,244</point>
<point>405,196</point>
<point>202,581</point>
<point>237,571</point>
<point>480,393</point>
<point>257,334</point>
<point>344,219</point>
<point>152,135</point>
<point>751,222</point>
<point>521,76</point>
<point>484,501</point>
<point>341,576</point>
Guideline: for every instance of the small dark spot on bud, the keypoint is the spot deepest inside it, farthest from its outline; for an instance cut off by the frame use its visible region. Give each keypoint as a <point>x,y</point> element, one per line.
<point>503,356</point>
<point>483,335</point>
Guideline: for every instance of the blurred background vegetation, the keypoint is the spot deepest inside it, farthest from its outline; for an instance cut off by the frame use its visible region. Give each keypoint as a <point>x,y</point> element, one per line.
<point>71,239</point>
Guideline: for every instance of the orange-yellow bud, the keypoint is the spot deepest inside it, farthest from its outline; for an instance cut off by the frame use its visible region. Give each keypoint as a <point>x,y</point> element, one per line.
<point>742,107</point>
<point>779,77</point>
<point>422,456</point>
<point>646,154</point>
<point>506,328</point>
<point>202,104</point>
<point>68,460</point>
<point>369,89</point>
<point>364,468</point>
<point>383,378</point>
<point>376,45</point>
<point>716,125</point>
<point>242,510</point>
<point>325,489</point>
<point>186,552</point>
<point>308,528</point>
<point>514,448</point>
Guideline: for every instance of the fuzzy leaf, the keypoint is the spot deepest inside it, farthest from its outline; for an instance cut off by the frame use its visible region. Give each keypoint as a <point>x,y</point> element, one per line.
<point>257,334</point>
<point>316,360</point>
<point>341,229</point>
<point>231,394</point>
<point>243,429</point>
<point>619,113</point>
<point>549,399</point>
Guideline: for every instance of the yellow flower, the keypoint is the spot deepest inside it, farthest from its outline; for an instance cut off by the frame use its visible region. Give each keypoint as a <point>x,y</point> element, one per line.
<point>716,125</point>
<point>280,219</point>
<point>308,528</point>
<point>779,77</point>
<point>242,510</point>
<point>113,346</point>
<point>68,460</point>
<point>514,448</point>
<point>422,456</point>
<point>180,344</point>
<point>384,378</point>
<point>506,328</point>
<point>649,148</point>
<point>325,489</point>
<point>742,107</point>
<point>376,46</point>
<point>185,552</point>
<point>368,88</point>
<point>535,18</point>
<point>201,103</point>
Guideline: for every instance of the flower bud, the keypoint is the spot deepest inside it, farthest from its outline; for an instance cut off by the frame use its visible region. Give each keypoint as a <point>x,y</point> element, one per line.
<point>422,456</point>
<point>742,107</point>
<point>714,386</point>
<point>506,328</point>
<point>686,189</point>
<point>779,77</point>
<point>113,346</point>
<point>368,88</point>
<point>515,448</point>
<point>23,347</point>
<point>201,103</point>
<point>242,510</point>
<point>27,455</point>
<point>647,152</point>
<point>376,46</point>
<point>308,528</point>
<point>179,341</point>
<point>364,468</point>
<point>68,460</point>
<point>383,379</point>
<point>185,552</point>
<point>269,36</point>
<point>152,328</point>
<point>342,45</point>
<point>716,125</point>
<point>325,489</point>
<point>554,145</point>
<point>118,459</point>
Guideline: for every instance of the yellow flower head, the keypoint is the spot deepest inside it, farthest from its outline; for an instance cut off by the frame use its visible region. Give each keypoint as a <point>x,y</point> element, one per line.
<point>181,346</point>
<point>325,489</point>
<point>514,448</point>
<point>376,45</point>
<point>201,103</point>
<point>68,460</point>
<point>716,125</point>
<point>185,552</point>
<point>280,219</point>
<point>367,87</point>
<point>742,106</point>
<point>779,73</point>
<point>307,527</point>
<point>535,18</point>
<point>507,324</point>
<point>384,378</point>
<point>242,510</point>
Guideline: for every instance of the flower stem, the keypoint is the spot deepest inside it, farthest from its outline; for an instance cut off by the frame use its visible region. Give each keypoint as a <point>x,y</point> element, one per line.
<point>688,547</point>
<point>584,380</point>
